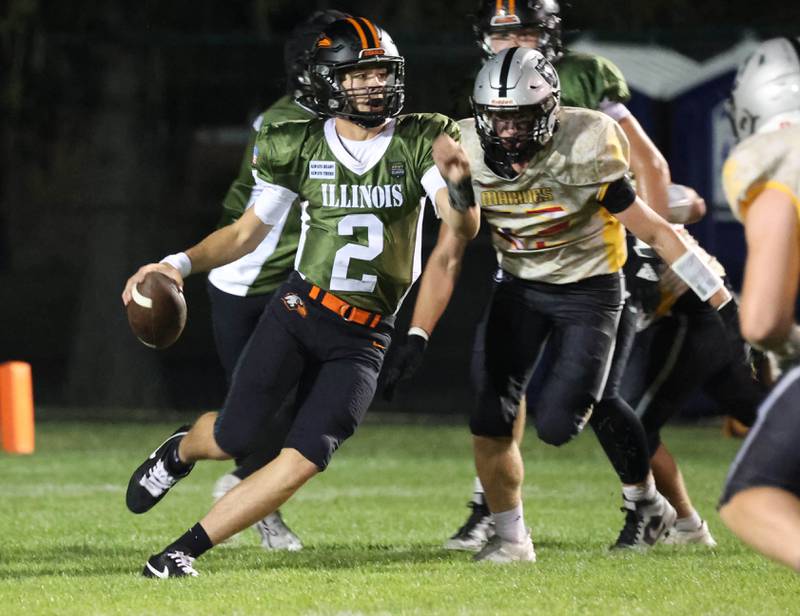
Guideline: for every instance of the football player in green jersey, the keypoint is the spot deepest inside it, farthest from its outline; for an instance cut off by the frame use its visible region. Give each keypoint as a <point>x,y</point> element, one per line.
<point>239,291</point>
<point>761,501</point>
<point>552,184</point>
<point>363,175</point>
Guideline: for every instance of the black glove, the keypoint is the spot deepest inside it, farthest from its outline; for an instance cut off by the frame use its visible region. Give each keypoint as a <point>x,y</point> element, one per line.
<point>642,275</point>
<point>729,315</point>
<point>403,363</point>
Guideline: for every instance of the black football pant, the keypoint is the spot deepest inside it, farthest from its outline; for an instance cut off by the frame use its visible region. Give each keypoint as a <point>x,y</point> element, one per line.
<point>333,364</point>
<point>234,318</point>
<point>682,353</point>
<point>578,321</point>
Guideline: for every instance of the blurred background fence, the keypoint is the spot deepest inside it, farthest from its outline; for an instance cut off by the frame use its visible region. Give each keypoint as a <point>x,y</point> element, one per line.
<point>123,124</point>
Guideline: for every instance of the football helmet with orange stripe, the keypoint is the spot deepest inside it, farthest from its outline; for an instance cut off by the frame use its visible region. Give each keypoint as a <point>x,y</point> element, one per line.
<point>526,23</point>
<point>357,73</point>
<point>297,51</point>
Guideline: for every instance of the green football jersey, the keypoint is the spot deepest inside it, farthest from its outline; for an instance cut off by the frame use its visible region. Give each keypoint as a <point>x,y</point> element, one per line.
<point>362,219</point>
<point>587,80</point>
<point>263,270</point>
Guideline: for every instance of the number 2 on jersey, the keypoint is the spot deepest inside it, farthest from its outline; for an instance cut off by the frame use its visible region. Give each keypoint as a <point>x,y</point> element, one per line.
<point>374,247</point>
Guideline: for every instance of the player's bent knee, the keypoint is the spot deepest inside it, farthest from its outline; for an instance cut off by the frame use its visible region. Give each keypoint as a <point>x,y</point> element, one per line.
<point>559,428</point>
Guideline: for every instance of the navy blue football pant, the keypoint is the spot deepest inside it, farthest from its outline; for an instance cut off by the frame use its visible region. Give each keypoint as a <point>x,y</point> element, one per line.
<point>333,364</point>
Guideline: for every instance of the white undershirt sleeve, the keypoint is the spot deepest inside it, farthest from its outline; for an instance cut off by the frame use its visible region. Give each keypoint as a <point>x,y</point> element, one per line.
<point>613,109</point>
<point>432,182</point>
<point>270,202</point>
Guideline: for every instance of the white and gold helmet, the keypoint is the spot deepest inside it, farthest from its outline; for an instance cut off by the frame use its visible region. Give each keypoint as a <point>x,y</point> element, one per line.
<point>766,92</point>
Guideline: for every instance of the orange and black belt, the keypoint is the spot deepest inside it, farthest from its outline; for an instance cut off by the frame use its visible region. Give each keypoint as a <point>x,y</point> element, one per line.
<point>343,309</point>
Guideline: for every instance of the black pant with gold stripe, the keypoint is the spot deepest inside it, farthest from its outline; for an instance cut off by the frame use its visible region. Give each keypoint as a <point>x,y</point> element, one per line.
<point>334,361</point>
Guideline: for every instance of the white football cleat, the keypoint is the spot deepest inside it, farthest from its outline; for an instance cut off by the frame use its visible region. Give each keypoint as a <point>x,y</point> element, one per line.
<point>224,484</point>
<point>498,550</point>
<point>275,535</point>
<point>699,536</point>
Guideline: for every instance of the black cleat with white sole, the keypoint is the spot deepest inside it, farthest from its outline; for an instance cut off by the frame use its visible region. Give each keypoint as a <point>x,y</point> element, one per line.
<point>168,564</point>
<point>153,479</point>
<point>645,523</point>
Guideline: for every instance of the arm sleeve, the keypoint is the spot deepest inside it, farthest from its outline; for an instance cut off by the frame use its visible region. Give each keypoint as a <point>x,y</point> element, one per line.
<point>432,181</point>
<point>614,109</point>
<point>617,196</point>
<point>270,201</point>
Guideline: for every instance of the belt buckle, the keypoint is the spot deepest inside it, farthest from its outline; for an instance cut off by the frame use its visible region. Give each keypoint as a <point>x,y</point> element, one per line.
<point>346,312</point>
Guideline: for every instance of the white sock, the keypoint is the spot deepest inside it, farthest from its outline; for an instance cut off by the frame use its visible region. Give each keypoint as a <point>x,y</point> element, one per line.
<point>638,493</point>
<point>510,525</point>
<point>690,522</point>
<point>477,493</point>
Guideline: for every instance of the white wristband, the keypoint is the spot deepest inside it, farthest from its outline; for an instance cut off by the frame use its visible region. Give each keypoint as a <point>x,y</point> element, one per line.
<point>180,261</point>
<point>700,278</point>
<point>418,331</point>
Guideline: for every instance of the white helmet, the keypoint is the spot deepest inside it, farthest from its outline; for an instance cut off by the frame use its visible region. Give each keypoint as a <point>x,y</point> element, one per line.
<point>766,92</point>
<point>521,86</point>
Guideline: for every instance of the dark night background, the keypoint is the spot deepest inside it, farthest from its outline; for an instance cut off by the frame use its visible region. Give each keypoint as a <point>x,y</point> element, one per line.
<point>123,123</point>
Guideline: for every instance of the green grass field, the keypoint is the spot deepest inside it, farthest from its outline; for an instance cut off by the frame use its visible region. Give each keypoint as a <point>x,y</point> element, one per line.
<point>372,525</point>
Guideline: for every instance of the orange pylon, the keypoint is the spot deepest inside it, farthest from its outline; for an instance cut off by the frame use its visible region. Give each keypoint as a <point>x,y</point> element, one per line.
<point>16,407</point>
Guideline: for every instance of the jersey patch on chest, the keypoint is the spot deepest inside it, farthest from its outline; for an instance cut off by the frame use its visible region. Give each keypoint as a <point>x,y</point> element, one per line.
<point>322,170</point>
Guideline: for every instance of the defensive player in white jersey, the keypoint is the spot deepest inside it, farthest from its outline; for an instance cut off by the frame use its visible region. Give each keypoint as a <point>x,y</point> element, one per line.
<point>761,501</point>
<point>552,184</point>
<point>591,82</point>
<point>363,173</point>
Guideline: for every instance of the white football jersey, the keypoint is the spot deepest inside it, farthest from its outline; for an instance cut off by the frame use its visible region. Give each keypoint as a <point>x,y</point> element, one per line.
<point>764,160</point>
<point>547,223</point>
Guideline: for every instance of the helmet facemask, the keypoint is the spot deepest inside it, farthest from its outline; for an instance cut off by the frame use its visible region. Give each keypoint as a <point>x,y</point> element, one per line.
<point>516,104</point>
<point>367,93</point>
<point>515,134</point>
<point>357,73</point>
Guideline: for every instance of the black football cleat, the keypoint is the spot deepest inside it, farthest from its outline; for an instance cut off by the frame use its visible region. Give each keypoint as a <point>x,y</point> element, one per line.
<point>168,564</point>
<point>152,480</point>
<point>645,523</point>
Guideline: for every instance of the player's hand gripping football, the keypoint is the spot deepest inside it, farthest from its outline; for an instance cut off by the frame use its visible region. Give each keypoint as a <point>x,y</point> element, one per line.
<point>138,277</point>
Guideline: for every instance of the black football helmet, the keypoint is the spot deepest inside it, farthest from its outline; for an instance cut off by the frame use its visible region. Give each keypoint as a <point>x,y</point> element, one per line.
<point>495,16</point>
<point>347,44</point>
<point>297,52</point>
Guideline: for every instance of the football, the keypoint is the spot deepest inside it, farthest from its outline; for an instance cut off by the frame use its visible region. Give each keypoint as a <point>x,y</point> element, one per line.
<point>157,311</point>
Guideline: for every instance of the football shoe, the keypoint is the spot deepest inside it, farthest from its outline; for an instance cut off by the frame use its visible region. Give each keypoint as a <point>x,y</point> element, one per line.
<point>680,536</point>
<point>170,563</point>
<point>645,522</point>
<point>499,550</point>
<point>475,532</point>
<point>153,479</point>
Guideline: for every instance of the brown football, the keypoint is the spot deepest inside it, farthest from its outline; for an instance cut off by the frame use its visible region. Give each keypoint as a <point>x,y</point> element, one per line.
<point>157,311</point>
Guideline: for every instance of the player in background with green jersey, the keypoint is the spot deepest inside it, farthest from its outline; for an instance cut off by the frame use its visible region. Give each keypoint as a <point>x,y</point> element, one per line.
<point>240,291</point>
<point>362,175</point>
